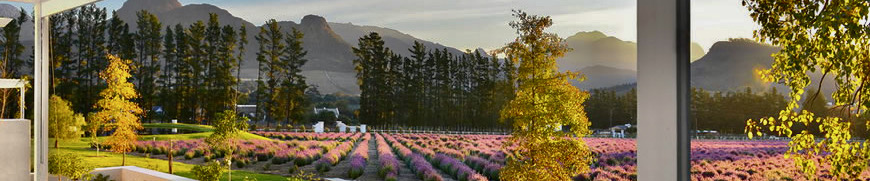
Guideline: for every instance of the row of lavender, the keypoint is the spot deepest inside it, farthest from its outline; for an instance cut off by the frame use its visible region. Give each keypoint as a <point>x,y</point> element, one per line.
<point>480,157</point>
<point>617,160</point>
<point>246,152</point>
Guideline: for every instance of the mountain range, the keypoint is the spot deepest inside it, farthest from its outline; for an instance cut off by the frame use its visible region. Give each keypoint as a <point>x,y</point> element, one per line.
<point>606,61</point>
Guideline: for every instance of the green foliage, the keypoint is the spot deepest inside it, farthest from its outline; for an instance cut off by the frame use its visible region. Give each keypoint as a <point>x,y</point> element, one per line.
<point>68,165</point>
<point>545,101</point>
<point>608,108</point>
<point>725,111</point>
<point>431,87</point>
<point>209,171</point>
<point>148,48</point>
<point>64,124</point>
<point>11,64</point>
<point>219,82</point>
<point>302,176</point>
<point>101,177</point>
<point>828,37</point>
<point>281,96</point>
<point>227,125</point>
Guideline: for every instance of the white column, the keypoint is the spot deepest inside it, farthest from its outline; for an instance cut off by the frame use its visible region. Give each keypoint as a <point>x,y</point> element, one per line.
<point>40,91</point>
<point>661,89</point>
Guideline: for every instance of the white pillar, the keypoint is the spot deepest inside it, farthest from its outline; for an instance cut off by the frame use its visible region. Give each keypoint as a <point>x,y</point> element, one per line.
<point>662,148</point>
<point>40,91</point>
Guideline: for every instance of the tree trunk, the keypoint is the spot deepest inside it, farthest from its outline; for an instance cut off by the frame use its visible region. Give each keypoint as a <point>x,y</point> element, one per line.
<point>124,159</point>
<point>55,143</point>
<point>170,156</point>
<point>230,166</point>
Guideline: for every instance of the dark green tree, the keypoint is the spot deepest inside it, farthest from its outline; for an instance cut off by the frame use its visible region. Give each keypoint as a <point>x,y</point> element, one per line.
<point>291,94</point>
<point>11,62</point>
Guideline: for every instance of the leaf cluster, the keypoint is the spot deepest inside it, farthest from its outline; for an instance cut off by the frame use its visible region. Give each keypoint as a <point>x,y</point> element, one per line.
<point>828,37</point>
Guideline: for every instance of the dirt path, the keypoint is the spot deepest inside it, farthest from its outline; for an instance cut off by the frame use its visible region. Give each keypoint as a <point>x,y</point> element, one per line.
<point>371,170</point>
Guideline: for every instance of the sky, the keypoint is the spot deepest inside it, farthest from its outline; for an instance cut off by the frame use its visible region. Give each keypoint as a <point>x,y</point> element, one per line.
<point>465,24</point>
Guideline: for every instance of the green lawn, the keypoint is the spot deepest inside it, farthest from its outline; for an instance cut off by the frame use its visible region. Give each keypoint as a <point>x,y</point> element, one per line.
<point>206,130</point>
<point>106,159</point>
<point>194,127</point>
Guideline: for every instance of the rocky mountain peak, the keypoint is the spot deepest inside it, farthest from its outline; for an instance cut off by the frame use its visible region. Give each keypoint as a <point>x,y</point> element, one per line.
<point>153,6</point>
<point>314,21</point>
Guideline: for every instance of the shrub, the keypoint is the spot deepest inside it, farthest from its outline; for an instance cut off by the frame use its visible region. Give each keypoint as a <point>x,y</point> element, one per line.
<point>391,177</point>
<point>322,166</point>
<point>101,177</point>
<point>357,164</point>
<point>267,166</point>
<point>293,169</point>
<point>262,157</point>
<point>333,156</point>
<point>68,165</point>
<point>358,158</point>
<point>240,164</point>
<point>210,171</point>
<point>189,155</point>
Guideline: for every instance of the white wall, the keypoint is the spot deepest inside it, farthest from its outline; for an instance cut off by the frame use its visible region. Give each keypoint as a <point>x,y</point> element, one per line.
<point>15,149</point>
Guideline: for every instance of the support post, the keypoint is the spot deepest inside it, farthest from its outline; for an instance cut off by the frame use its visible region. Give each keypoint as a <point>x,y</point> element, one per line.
<point>663,89</point>
<point>40,92</point>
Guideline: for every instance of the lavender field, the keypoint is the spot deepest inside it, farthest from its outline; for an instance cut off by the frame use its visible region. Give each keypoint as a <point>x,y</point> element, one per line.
<point>465,157</point>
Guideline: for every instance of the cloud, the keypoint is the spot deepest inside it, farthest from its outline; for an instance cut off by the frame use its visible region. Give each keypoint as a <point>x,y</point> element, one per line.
<point>718,20</point>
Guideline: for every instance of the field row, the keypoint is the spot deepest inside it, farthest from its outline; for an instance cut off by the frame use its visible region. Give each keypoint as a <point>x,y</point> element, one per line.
<point>466,157</point>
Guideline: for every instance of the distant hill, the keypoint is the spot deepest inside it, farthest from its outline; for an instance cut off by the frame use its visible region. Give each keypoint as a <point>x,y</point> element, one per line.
<point>330,66</point>
<point>731,65</point>
<point>330,58</point>
<point>599,76</point>
<point>395,40</point>
<point>605,60</point>
<point>595,48</point>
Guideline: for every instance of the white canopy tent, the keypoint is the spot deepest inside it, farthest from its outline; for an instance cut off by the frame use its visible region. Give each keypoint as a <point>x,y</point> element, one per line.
<point>42,10</point>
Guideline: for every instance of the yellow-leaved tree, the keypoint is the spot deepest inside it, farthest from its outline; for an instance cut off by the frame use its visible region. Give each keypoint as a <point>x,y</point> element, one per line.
<point>116,109</point>
<point>545,102</point>
<point>827,37</point>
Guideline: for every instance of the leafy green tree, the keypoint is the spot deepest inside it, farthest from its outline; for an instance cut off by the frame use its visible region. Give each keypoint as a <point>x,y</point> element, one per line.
<point>116,108</point>
<point>94,125</point>
<point>64,123</point>
<point>221,94</point>
<point>243,40</point>
<point>89,41</point>
<point>169,79</point>
<point>291,101</point>
<point>373,76</point>
<point>195,59</point>
<point>827,37</point>
<point>271,40</point>
<point>11,62</point>
<point>227,125</point>
<point>185,90</point>
<point>545,102</point>
<point>68,165</point>
<point>62,64</point>
<point>148,45</point>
